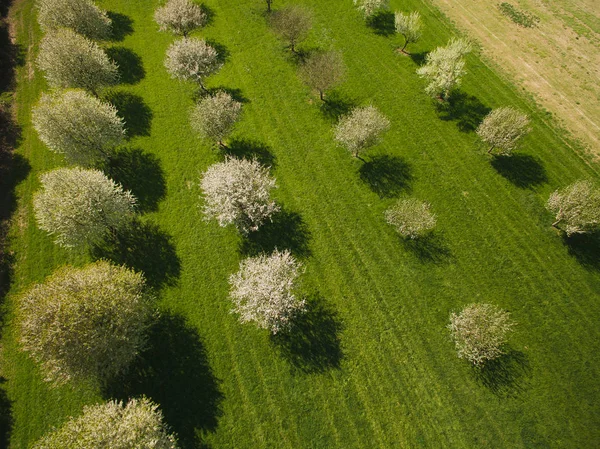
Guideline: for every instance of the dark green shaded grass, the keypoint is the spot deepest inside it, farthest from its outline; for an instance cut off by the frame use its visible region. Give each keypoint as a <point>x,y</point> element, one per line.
<point>378,370</point>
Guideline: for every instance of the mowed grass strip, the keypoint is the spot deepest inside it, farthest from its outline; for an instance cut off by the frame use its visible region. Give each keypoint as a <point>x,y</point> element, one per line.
<point>398,382</point>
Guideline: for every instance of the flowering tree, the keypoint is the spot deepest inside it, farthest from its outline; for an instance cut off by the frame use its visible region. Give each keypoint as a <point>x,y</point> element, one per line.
<point>262,290</point>
<point>135,425</point>
<point>192,59</point>
<point>215,116</point>
<point>370,7</point>
<point>480,332</point>
<point>237,192</point>
<point>577,206</point>
<point>409,26</point>
<point>72,60</point>
<point>323,70</point>
<point>503,128</point>
<point>85,323</point>
<point>361,129</point>
<point>411,218</point>
<point>78,125</point>
<point>292,23</point>
<point>82,16</point>
<point>180,16</point>
<point>80,207</point>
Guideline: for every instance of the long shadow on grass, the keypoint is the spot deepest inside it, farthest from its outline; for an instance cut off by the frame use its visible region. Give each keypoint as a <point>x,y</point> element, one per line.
<point>505,376</point>
<point>312,345</point>
<point>585,248</point>
<point>6,420</point>
<point>382,23</point>
<point>522,170</point>
<point>134,112</point>
<point>419,58</point>
<point>336,105</point>
<point>143,247</point>
<point>175,373</point>
<point>122,26</point>
<point>429,249</point>
<point>251,149</point>
<point>131,68</point>
<point>140,173</point>
<point>464,109</point>
<point>387,176</point>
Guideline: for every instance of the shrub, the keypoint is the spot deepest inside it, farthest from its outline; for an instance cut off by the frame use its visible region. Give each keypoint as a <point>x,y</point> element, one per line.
<point>180,16</point>
<point>215,116</point>
<point>292,23</point>
<point>577,206</point>
<point>503,128</point>
<point>82,16</point>
<point>361,129</point>
<point>411,218</point>
<point>192,59</point>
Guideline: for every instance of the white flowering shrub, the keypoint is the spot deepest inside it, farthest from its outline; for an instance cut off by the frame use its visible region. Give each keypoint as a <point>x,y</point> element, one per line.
<point>577,207</point>
<point>370,7</point>
<point>113,425</point>
<point>238,192</point>
<point>323,70</point>
<point>215,116</point>
<point>411,218</point>
<point>80,207</point>
<point>192,60</point>
<point>71,60</point>
<point>361,129</point>
<point>409,26</point>
<point>82,16</point>
<point>292,23</point>
<point>180,16</point>
<point>502,129</point>
<point>78,125</point>
<point>85,323</point>
<point>263,290</point>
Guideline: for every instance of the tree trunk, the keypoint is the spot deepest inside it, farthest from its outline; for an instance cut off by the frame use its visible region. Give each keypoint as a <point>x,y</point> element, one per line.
<point>222,144</point>
<point>491,148</point>
<point>202,86</point>
<point>555,224</point>
<point>405,44</point>
<point>321,95</point>
<point>268,5</point>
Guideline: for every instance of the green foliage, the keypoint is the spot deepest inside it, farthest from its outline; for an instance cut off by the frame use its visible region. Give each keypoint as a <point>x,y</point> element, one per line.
<point>82,16</point>
<point>518,16</point>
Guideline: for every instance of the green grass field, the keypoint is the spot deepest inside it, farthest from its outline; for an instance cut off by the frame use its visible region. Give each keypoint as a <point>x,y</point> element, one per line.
<point>372,364</point>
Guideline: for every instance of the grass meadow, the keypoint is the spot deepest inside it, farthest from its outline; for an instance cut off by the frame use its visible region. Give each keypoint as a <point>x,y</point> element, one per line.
<point>371,365</point>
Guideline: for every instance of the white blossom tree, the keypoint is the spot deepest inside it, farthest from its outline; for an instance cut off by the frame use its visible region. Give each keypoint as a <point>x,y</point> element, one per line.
<point>138,424</point>
<point>238,192</point>
<point>192,59</point>
<point>85,323</point>
<point>409,26</point>
<point>480,332</point>
<point>361,129</point>
<point>215,116</point>
<point>180,16</point>
<point>503,128</point>
<point>411,218</point>
<point>577,207</point>
<point>444,67</point>
<point>292,23</point>
<point>323,70</point>
<point>82,16</point>
<point>81,207</point>
<point>371,7</point>
<point>71,60</point>
<point>78,125</point>
<point>263,290</point>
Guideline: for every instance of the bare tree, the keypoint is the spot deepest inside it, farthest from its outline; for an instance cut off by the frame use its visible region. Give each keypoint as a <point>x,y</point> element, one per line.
<point>411,218</point>
<point>215,116</point>
<point>577,206</point>
<point>323,70</point>
<point>292,23</point>
<point>361,129</point>
<point>192,59</point>
<point>180,17</point>
<point>409,26</point>
<point>503,128</point>
<point>82,16</point>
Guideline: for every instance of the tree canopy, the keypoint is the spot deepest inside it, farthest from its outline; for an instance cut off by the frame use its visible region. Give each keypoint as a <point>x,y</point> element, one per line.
<point>180,16</point>
<point>576,207</point>
<point>361,129</point>
<point>503,128</point>
<point>82,16</point>
<point>192,60</point>
<point>215,116</point>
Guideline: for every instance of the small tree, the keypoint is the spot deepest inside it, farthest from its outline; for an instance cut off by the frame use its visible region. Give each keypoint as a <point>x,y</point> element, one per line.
<point>80,207</point>
<point>192,59</point>
<point>71,60</point>
<point>82,16</point>
<point>85,323</point>
<point>411,218</point>
<point>361,129</point>
<point>323,70</point>
<point>263,290</point>
<point>444,67</point>
<point>215,116</point>
<point>292,23</point>
<point>80,126</point>
<point>409,26</point>
<point>370,7</point>
<point>503,128</point>
<point>180,17</point>
<point>480,332</point>
<point>138,424</point>
<point>237,192</point>
<point>577,206</point>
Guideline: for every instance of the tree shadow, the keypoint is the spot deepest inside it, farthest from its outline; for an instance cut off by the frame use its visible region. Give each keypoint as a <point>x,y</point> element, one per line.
<point>286,231</point>
<point>430,248</point>
<point>11,56</point>
<point>223,53</point>
<point>336,105</point>
<point>6,420</point>
<point>131,68</point>
<point>312,345</point>
<point>250,149</point>
<point>175,372</point>
<point>585,248</point>
<point>140,173</point>
<point>142,246</point>
<point>382,23</point>
<point>522,170</point>
<point>122,26</point>
<point>209,13</point>
<point>387,176</point>
<point>464,109</point>
<point>135,113</point>
<point>505,376</point>
<point>419,58</point>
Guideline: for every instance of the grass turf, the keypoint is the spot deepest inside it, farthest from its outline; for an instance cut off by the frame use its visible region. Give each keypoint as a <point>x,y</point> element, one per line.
<point>372,364</point>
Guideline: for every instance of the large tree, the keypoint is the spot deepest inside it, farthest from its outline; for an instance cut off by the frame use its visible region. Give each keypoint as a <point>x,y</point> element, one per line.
<point>263,290</point>
<point>361,129</point>
<point>503,128</point>
<point>71,60</point>
<point>78,125</point>
<point>292,23</point>
<point>238,192</point>
<point>81,207</point>
<point>192,60</point>
<point>82,16</point>
<point>85,323</point>
<point>409,26</point>
<point>214,116</point>
<point>138,424</point>
<point>180,16</point>
<point>323,70</point>
<point>370,7</point>
<point>411,218</point>
<point>576,207</point>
